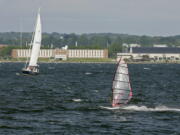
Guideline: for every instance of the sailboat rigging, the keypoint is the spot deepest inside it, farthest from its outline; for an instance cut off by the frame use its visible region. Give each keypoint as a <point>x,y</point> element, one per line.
<point>32,67</point>
<point>121,87</point>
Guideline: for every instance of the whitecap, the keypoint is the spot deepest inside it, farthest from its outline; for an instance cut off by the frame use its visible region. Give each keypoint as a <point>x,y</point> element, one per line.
<point>147,68</point>
<point>77,100</point>
<point>88,73</point>
<point>51,67</point>
<point>17,73</point>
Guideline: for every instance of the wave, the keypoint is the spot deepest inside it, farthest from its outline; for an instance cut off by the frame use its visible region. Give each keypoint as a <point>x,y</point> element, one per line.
<point>88,73</point>
<point>17,74</point>
<point>147,68</point>
<point>76,100</point>
<point>51,67</point>
<point>143,108</point>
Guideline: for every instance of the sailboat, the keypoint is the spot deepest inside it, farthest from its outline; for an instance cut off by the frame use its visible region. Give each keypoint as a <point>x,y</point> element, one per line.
<point>32,67</point>
<point>121,87</point>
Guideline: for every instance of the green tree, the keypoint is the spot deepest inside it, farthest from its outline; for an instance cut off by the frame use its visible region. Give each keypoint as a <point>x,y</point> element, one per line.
<point>115,47</point>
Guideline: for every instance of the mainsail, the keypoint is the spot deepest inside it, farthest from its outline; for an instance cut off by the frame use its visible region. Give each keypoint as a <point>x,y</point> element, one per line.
<point>36,43</point>
<point>32,67</point>
<point>121,88</point>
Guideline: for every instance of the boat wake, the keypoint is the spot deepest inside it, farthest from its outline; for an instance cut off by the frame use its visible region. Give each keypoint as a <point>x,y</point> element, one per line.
<point>110,108</point>
<point>156,109</point>
<point>144,108</point>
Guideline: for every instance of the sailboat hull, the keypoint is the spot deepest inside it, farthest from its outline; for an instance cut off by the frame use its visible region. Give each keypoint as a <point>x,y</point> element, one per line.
<point>27,72</point>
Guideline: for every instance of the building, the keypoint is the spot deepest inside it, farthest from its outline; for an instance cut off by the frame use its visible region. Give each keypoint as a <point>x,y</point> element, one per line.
<point>160,45</point>
<point>152,53</point>
<point>23,53</point>
<point>62,53</point>
<point>87,53</point>
<point>134,45</point>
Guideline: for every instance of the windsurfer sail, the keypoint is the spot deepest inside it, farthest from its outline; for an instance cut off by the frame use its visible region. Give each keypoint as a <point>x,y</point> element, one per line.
<point>121,88</point>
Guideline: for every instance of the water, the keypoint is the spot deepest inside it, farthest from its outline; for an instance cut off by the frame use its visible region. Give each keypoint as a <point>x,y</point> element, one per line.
<point>67,98</point>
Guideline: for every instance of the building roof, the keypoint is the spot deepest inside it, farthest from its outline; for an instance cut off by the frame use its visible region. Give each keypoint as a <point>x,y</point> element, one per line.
<point>155,50</point>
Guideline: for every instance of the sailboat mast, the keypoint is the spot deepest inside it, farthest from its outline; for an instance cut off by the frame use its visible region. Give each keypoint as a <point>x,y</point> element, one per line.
<point>114,77</point>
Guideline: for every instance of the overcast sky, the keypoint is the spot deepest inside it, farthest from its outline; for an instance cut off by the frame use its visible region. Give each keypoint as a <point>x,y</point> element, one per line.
<point>141,17</point>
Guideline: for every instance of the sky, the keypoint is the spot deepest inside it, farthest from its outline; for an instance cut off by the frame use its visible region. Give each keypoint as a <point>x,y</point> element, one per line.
<point>134,17</point>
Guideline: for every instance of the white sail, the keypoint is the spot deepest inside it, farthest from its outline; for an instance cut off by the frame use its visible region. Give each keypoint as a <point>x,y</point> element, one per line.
<point>121,88</point>
<point>36,42</point>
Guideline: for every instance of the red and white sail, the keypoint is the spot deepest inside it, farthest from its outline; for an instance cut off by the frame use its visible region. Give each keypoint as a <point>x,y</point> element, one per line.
<point>121,88</point>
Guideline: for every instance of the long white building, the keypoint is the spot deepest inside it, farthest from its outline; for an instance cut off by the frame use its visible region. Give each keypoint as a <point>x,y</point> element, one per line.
<point>58,53</point>
<point>155,53</point>
<point>22,53</point>
<point>85,53</point>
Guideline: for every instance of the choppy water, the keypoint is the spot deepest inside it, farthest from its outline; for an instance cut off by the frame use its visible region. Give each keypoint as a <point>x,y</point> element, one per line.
<point>66,98</point>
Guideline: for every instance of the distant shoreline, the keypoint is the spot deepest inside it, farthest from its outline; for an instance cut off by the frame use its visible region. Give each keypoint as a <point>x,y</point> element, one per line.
<point>55,62</point>
<point>92,62</point>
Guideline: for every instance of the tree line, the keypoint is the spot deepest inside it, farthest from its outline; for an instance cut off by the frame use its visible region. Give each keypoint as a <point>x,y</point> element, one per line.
<point>110,41</point>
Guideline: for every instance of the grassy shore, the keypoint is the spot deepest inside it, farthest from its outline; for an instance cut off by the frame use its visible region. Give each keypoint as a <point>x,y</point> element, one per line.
<point>75,60</point>
<point>87,60</point>
<point>155,62</point>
